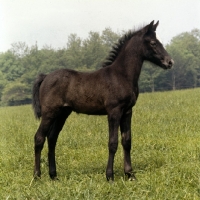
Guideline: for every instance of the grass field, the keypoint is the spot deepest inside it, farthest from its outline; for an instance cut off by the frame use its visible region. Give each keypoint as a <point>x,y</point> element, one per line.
<point>165,153</point>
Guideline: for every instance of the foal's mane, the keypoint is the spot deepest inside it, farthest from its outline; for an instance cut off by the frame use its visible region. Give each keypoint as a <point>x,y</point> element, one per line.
<point>117,47</point>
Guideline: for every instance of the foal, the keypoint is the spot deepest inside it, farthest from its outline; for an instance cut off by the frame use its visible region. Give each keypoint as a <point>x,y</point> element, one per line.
<point>111,90</point>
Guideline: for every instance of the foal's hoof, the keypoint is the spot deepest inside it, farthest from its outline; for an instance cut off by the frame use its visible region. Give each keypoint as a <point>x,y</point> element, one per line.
<point>110,178</point>
<point>131,176</point>
<point>53,175</point>
<point>37,175</point>
<point>55,179</point>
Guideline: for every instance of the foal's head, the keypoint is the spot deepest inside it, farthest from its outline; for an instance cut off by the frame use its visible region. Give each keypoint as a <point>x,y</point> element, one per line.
<point>153,49</point>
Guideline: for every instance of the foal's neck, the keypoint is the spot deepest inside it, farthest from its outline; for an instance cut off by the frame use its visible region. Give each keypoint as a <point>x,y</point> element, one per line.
<point>130,62</point>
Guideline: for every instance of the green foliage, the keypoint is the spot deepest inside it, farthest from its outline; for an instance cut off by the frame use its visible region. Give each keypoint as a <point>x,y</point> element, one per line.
<point>74,55</point>
<point>21,63</point>
<point>185,49</point>
<point>148,77</point>
<point>109,37</point>
<point>16,93</point>
<point>165,153</point>
<point>10,66</point>
<point>94,52</point>
<point>2,84</point>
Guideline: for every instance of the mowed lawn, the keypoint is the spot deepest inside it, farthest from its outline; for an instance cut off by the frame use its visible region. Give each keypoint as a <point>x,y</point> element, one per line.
<point>165,153</point>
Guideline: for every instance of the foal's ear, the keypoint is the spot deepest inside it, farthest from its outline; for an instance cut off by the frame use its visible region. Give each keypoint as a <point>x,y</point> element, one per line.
<point>155,26</point>
<point>151,27</point>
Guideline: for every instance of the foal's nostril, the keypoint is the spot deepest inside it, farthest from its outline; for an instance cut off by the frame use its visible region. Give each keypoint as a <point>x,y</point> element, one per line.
<point>171,62</point>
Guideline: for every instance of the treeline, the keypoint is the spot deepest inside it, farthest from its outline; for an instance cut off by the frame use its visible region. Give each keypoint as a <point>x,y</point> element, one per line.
<point>20,65</point>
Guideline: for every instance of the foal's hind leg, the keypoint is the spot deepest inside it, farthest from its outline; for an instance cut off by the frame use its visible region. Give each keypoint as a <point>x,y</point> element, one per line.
<point>125,127</point>
<point>39,143</point>
<point>52,139</point>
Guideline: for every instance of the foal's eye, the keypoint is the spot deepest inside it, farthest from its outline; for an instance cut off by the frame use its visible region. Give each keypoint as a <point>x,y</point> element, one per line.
<point>153,43</point>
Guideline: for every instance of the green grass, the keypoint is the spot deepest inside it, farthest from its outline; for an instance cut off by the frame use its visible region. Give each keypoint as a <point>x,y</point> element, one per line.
<point>165,153</point>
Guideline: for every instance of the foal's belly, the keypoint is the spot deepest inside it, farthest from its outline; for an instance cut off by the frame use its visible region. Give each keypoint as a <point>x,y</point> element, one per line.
<point>86,106</point>
<point>90,110</point>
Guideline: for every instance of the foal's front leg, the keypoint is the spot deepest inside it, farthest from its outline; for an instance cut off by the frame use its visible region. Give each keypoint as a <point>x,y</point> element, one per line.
<point>125,127</point>
<point>113,122</point>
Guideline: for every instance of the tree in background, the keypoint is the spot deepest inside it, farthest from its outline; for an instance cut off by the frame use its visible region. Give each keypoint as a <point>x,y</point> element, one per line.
<point>73,54</point>
<point>16,93</point>
<point>148,77</point>
<point>185,49</point>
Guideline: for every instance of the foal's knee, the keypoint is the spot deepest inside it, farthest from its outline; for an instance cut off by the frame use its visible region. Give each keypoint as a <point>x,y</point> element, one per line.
<point>39,141</point>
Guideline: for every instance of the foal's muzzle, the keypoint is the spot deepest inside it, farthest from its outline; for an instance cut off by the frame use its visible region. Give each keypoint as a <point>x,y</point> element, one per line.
<point>167,63</point>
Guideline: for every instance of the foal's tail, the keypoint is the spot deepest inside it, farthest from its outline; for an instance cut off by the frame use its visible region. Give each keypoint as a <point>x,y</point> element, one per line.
<point>36,101</point>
